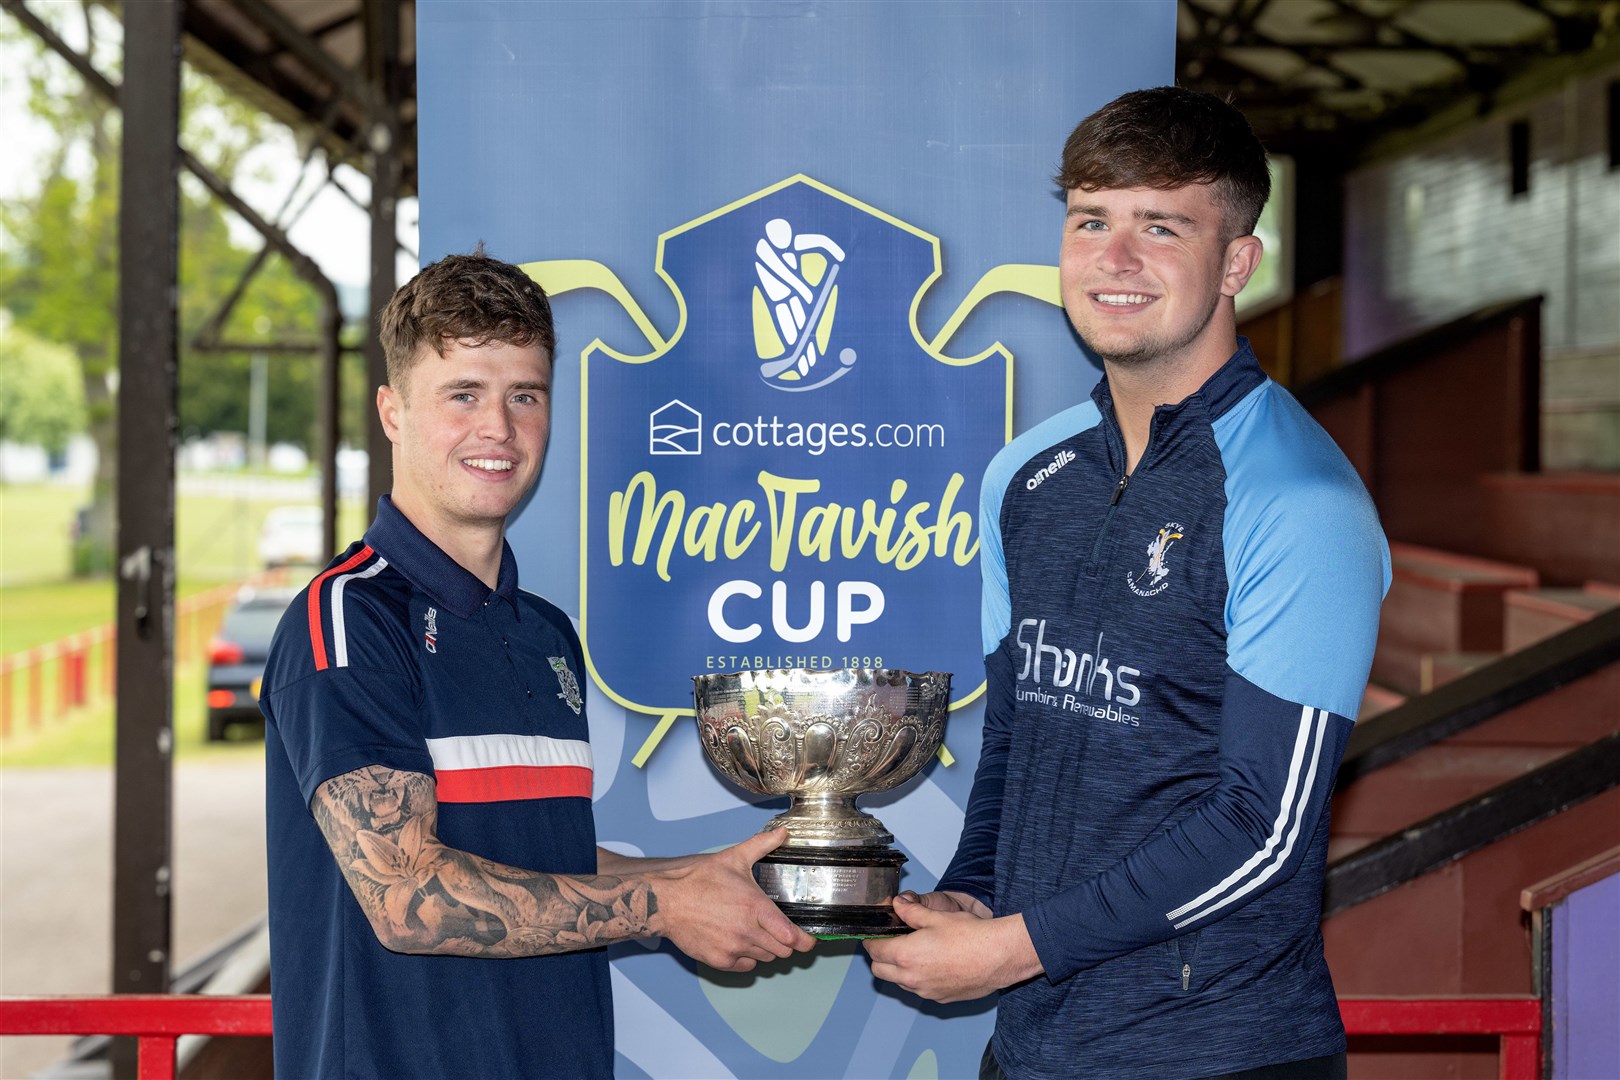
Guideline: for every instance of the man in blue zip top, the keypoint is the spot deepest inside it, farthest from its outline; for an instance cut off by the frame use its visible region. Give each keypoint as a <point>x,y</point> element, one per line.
<point>1182,579</point>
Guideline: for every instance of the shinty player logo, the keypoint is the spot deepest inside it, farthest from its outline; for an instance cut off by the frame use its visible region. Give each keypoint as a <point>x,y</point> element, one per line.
<point>794,306</point>
<point>1152,581</point>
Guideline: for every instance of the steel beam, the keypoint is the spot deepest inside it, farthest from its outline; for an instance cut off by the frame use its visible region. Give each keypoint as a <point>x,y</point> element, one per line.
<point>148,405</point>
<point>387,167</point>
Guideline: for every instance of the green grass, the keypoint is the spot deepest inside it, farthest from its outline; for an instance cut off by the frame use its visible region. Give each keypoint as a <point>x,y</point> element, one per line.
<point>38,613</point>
<point>216,542</point>
<point>85,737</point>
<point>35,520</point>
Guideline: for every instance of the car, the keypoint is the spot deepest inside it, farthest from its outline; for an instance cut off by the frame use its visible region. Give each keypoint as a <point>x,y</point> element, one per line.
<point>291,536</point>
<point>236,658</point>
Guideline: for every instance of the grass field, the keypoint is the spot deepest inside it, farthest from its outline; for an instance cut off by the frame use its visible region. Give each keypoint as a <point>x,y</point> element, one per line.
<point>216,541</point>
<point>85,737</point>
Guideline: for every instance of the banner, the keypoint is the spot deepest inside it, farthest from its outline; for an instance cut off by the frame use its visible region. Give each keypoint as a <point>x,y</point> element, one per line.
<point>802,262</point>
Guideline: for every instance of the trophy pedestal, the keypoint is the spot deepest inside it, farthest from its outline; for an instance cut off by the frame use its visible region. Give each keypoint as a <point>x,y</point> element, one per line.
<point>835,892</point>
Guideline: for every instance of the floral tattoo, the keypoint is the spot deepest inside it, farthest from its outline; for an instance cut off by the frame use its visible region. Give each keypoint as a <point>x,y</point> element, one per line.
<point>424,897</point>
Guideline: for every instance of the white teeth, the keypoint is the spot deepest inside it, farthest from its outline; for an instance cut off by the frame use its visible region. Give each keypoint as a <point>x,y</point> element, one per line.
<point>488,464</point>
<point>1122,298</point>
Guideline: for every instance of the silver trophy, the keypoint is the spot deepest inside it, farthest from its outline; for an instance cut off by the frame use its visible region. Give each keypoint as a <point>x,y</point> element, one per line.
<point>823,738</point>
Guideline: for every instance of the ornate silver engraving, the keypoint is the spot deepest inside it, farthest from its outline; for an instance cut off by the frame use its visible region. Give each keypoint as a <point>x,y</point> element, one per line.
<point>823,738</point>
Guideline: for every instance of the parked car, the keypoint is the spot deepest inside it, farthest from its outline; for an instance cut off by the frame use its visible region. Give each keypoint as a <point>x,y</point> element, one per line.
<point>291,536</point>
<point>236,657</point>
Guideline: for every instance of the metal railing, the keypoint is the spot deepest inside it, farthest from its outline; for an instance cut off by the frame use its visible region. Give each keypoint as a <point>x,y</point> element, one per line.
<point>159,1020</point>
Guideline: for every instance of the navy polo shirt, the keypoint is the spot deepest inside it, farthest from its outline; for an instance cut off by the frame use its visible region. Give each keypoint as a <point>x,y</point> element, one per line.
<point>397,656</point>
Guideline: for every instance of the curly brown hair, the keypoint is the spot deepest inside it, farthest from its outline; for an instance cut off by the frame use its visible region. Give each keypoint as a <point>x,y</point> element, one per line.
<point>1169,137</point>
<point>471,298</point>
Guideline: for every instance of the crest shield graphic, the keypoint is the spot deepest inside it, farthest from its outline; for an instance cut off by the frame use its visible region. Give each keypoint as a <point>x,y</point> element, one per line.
<point>792,479</point>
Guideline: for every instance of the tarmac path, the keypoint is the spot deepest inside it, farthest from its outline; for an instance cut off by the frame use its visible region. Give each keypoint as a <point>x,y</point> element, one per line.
<point>56,879</point>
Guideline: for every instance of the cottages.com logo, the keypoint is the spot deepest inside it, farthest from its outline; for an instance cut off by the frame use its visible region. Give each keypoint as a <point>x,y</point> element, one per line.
<point>676,429</point>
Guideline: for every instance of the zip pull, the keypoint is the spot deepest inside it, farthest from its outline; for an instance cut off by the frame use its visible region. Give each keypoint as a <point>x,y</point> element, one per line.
<point>1186,975</point>
<point>1119,489</point>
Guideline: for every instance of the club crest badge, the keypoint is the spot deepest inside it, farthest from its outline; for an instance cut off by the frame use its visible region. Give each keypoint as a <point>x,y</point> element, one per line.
<point>1155,579</point>
<point>570,686</point>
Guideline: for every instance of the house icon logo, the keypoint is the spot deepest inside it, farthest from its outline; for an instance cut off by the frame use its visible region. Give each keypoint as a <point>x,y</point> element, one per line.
<point>675,429</point>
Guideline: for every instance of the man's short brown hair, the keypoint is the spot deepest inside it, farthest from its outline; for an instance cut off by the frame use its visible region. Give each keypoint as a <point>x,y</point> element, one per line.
<point>471,298</point>
<point>1169,137</point>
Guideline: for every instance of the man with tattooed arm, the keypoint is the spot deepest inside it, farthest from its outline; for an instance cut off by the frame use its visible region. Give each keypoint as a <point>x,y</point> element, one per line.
<point>438,904</point>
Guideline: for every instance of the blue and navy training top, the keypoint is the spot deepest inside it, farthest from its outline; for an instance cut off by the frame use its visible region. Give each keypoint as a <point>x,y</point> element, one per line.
<point>1175,660</point>
<point>397,656</point>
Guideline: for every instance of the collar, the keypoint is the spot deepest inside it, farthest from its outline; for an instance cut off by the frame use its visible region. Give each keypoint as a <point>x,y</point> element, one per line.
<point>1222,390</point>
<point>1230,383</point>
<point>427,567</point>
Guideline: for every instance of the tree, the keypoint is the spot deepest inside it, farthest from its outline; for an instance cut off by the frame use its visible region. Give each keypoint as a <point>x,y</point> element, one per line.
<point>60,281</point>
<point>59,258</point>
<point>41,397</point>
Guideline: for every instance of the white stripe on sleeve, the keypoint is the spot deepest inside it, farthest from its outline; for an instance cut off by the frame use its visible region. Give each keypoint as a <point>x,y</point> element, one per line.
<point>1292,803</point>
<point>340,639</point>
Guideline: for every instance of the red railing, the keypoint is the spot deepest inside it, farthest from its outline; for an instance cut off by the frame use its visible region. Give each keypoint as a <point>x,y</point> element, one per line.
<point>159,1020</point>
<point>156,1020</point>
<point>1515,1021</point>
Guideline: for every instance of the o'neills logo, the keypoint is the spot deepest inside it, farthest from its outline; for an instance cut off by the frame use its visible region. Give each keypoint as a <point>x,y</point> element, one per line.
<point>1098,689</point>
<point>1062,459</point>
<point>430,636</point>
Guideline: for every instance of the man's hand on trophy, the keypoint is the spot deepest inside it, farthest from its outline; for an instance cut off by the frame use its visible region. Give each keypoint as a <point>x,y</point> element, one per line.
<point>714,912</point>
<point>948,901</point>
<point>953,955</point>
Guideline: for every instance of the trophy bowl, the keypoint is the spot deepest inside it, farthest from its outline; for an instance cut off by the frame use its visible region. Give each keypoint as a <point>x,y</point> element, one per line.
<point>822,738</point>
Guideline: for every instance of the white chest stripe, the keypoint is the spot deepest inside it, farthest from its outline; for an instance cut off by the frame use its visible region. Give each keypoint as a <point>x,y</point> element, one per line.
<point>503,751</point>
<point>1295,796</point>
<point>340,639</point>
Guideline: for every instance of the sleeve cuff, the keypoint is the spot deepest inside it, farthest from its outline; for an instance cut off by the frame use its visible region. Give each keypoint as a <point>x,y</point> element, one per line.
<point>1057,962</point>
<point>983,897</point>
<point>405,758</point>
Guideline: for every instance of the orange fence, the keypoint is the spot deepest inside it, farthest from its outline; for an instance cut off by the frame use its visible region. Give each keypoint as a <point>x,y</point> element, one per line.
<point>49,681</point>
<point>158,1020</point>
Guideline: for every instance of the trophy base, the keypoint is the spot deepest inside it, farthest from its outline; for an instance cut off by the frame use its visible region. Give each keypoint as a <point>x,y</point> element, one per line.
<point>831,921</point>
<point>835,893</point>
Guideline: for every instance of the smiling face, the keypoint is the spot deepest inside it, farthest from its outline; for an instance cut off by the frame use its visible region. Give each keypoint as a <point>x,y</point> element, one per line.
<point>469,430</point>
<point>1147,275</point>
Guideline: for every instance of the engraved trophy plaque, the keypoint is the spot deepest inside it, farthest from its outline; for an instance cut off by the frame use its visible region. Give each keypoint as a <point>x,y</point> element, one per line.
<point>823,738</point>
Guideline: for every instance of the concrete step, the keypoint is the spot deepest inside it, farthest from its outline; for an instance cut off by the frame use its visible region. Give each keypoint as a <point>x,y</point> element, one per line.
<point>1459,931</point>
<point>1379,699</point>
<point>1523,738</point>
<point>1561,522</point>
<point>1437,669</point>
<point>1532,615</point>
<point>1440,602</point>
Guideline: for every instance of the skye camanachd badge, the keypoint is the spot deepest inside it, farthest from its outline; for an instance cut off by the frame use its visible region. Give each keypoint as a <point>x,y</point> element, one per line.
<point>790,478</point>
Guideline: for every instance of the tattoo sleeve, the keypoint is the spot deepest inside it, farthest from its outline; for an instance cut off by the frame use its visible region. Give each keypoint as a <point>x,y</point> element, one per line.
<point>424,897</point>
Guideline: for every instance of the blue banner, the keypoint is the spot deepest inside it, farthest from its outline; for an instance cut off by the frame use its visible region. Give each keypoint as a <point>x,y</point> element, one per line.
<point>802,260</point>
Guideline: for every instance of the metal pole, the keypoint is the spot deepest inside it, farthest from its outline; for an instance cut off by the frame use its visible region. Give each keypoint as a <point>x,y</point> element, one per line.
<point>258,398</point>
<point>149,216</point>
<point>329,412</point>
<point>382,72</point>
